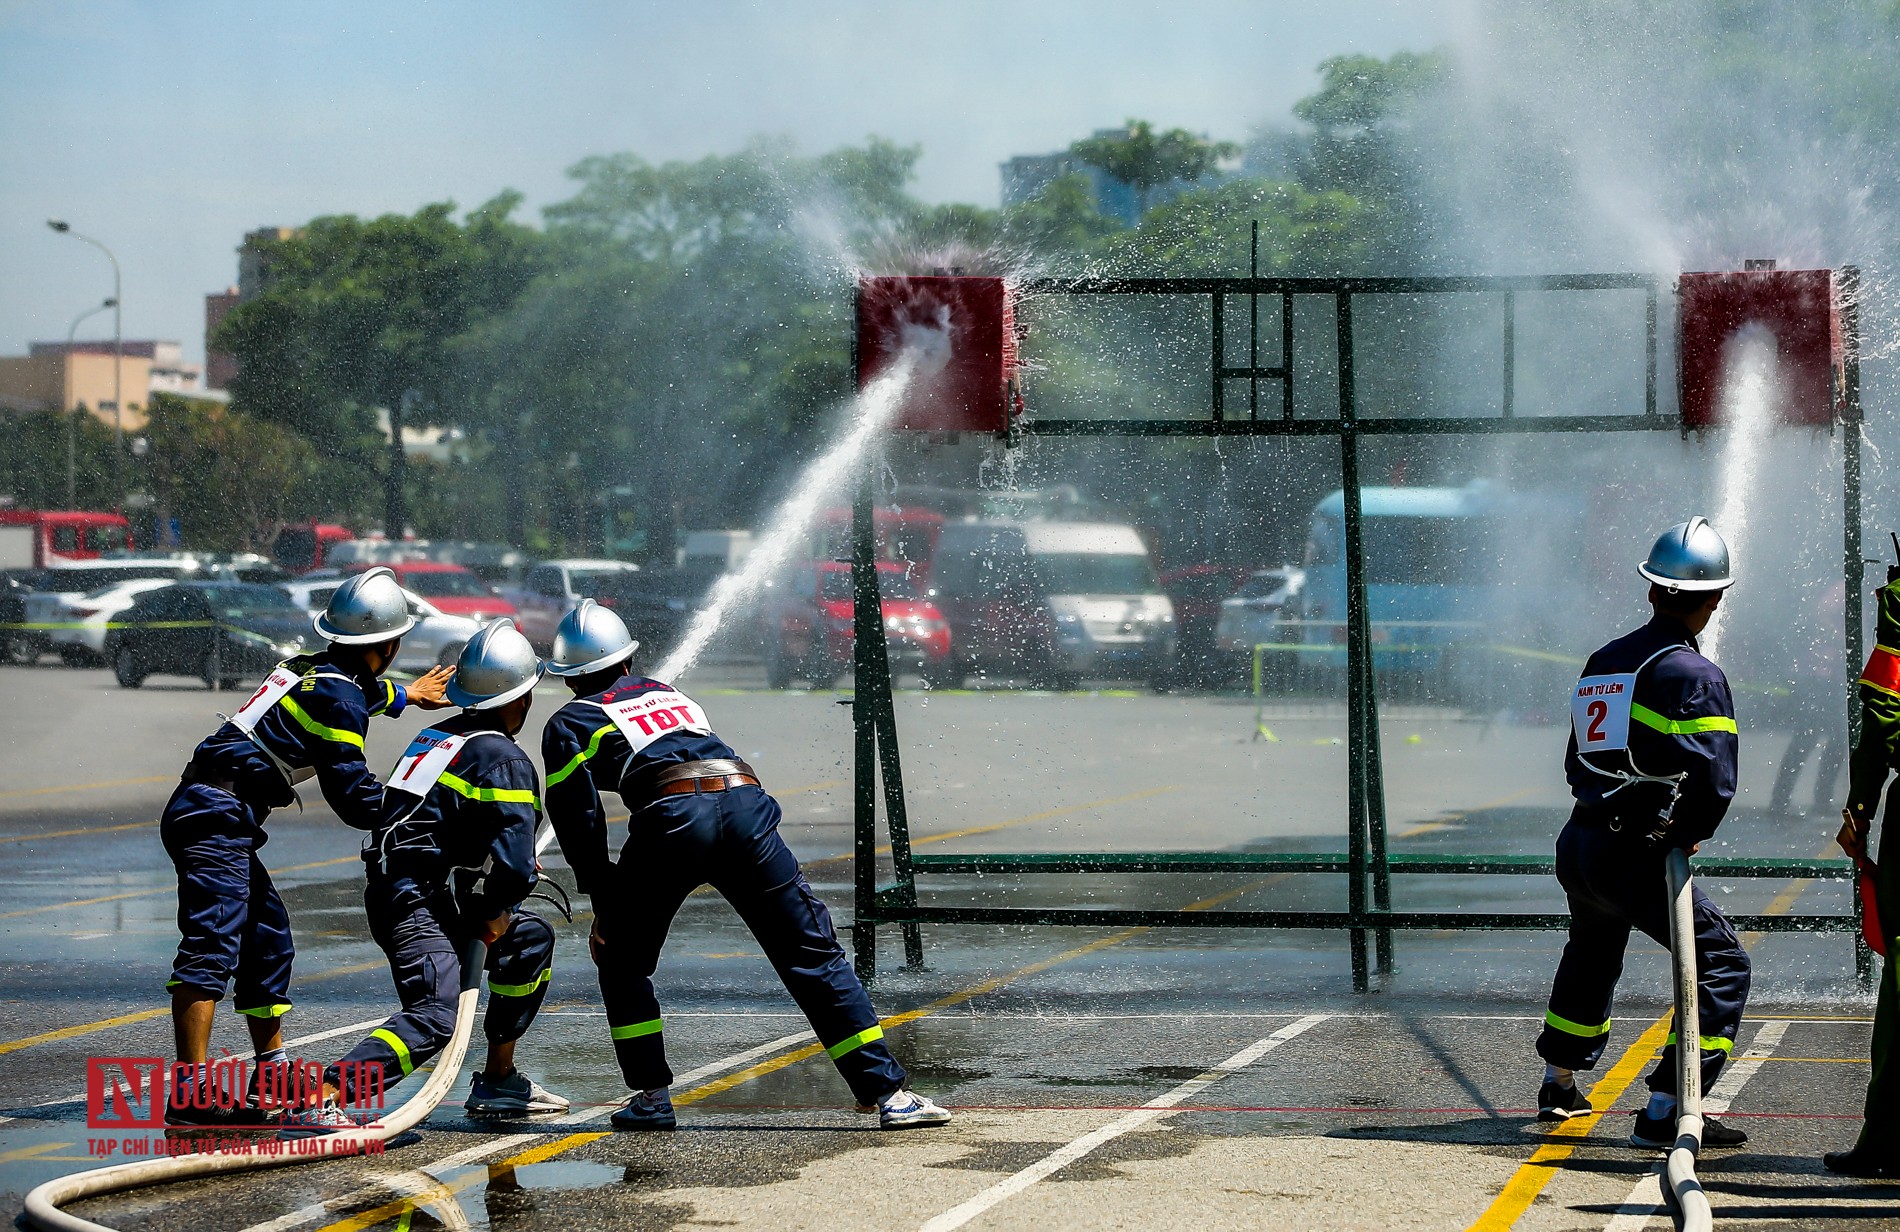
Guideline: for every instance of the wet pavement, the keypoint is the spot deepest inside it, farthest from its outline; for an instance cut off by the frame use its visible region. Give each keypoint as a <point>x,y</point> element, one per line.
<point>1101,1078</point>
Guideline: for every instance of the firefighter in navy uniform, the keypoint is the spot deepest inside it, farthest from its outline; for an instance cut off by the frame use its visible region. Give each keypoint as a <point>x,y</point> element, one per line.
<point>1877,1151</point>
<point>306,720</point>
<point>451,861</point>
<point>699,815</point>
<point>1651,763</point>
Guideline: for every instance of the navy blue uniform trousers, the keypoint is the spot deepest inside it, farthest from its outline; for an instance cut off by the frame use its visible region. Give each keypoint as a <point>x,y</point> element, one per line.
<point>424,943</point>
<point>1615,883</point>
<point>231,922</point>
<point>729,839</point>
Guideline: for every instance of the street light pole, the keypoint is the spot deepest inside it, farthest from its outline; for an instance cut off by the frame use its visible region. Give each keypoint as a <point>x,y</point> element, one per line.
<point>118,357</point>
<point>72,416</point>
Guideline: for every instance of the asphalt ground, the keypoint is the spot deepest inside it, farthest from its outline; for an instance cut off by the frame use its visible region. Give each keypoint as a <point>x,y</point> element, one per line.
<point>1163,1078</point>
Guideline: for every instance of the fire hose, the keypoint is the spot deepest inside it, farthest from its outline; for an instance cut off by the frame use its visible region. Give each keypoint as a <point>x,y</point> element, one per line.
<point>1680,1185</point>
<point>44,1202</point>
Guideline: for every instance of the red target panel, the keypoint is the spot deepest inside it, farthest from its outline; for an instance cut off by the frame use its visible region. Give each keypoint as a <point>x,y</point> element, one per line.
<point>1795,306</point>
<point>965,335</point>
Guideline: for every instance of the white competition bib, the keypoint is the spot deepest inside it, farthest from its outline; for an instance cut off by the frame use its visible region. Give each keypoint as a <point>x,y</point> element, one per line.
<point>423,762</point>
<point>646,718</point>
<point>1600,712</point>
<point>275,687</point>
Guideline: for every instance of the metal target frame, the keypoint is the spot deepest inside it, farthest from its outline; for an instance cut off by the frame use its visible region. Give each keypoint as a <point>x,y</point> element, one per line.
<point>1367,863</point>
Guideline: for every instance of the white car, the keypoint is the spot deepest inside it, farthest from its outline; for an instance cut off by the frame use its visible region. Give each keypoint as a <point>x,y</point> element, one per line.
<point>552,589</point>
<point>438,637</point>
<point>83,637</point>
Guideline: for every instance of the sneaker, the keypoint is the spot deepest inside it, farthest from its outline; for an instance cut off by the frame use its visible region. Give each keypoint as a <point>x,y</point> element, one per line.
<point>190,1117</point>
<point>1861,1162</point>
<point>1659,1133</point>
<point>905,1109</point>
<point>646,1110</point>
<point>513,1096</point>
<point>315,1121</point>
<point>1557,1102</point>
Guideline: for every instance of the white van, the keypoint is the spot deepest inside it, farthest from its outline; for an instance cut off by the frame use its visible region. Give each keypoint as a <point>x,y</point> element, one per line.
<point>1053,601</point>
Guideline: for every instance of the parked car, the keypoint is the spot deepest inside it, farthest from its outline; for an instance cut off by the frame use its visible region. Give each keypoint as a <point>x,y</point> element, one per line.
<point>656,603</point>
<point>82,640</point>
<point>1053,601</point>
<point>808,630</point>
<point>17,642</point>
<point>222,633</point>
<point>306,546</point>
<point>452,589</point>
<point>1196,592</point>
<point>1254,615</point>
<point>437,639</point>
<point>552,589</point>
<point>60,588</point>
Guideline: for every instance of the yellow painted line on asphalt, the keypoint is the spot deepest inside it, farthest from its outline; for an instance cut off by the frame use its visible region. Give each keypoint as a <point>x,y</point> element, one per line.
<point>1824,1060</point>
<point>164,889</point>
<point>1446,819</point>
<point>548,1150</point>
<point>1547,1160</point>
<point>51,1037</point>
<point>1544,1164</point>
<point>28,1152</point>
<point>99,786</point>
<point>28,838</point>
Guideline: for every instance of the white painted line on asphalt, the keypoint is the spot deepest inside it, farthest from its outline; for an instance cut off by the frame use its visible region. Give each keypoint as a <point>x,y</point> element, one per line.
<point>347,1029</point>
<point>1645,1200</point>
<point>437,1169</point>
<point>1155,1108</point>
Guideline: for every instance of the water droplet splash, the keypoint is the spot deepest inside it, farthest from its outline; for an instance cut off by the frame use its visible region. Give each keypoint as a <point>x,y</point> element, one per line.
<point>1751,390</point>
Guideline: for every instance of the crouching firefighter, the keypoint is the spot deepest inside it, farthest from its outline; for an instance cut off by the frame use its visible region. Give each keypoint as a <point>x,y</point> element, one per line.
<point>451,861</point>
<point>306,720</point>
<point>1876,1153</point>
<point>699,815</point>
<point>1651,763</point>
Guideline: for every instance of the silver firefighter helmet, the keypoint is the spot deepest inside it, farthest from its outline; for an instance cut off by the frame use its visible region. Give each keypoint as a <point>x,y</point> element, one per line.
<point>497,666</point>
<point>1688,556</point>
<point>590,639</point>
<point>368,608</point>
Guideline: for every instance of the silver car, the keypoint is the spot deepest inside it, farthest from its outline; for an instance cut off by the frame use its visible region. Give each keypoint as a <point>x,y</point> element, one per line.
<point>437,639</point>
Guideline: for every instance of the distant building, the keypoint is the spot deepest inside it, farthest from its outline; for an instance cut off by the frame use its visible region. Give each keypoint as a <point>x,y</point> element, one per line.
<point>220,366</point>
<point>166,370</point>
<point>50,379</point>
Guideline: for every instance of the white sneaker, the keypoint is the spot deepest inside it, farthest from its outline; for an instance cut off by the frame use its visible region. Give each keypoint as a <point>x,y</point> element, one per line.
<point>515,1095</point>
<point>905,1109</point>
<point>315,1121</point>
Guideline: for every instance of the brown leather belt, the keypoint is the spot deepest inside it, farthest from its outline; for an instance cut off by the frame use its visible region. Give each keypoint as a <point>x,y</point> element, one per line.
<point>693,777</point>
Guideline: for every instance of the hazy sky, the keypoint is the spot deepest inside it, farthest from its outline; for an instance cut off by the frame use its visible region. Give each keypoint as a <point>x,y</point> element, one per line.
<point>168,129</point>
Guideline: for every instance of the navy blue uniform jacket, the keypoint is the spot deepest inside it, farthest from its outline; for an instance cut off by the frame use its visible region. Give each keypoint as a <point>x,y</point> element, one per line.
<point>1682,722</point>
<point>585,755</point>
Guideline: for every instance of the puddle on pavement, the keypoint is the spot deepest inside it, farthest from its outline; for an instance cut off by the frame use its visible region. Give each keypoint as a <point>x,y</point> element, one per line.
<point>560,1174</point>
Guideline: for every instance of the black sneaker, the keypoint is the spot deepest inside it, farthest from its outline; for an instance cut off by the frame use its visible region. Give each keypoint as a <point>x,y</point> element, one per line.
<point>1557,1102</point>
<point>1861,1162</point>
<point>1659,1133</point>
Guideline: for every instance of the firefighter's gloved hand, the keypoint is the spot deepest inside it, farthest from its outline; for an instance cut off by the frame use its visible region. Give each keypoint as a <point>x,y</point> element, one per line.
<point>492,930</point>
<point>429,691</point>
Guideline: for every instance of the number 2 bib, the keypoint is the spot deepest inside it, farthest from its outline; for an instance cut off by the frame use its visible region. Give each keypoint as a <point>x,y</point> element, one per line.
<point>646,718</point>
<point>1600,712</point>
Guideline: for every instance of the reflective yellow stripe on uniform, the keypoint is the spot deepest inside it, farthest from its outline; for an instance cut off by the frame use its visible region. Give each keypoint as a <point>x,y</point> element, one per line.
<point>520,990</point>
<point>581,758</point>
<point>870,1034</point>
<point>268,1011</point>
<point>1681,727</point>
<point>317,729</point>
<point>489,795</point>
<point>396,1046</point>
<point>651,1026</point>
<point>1709,1043</point>
<point>1558,1022</point>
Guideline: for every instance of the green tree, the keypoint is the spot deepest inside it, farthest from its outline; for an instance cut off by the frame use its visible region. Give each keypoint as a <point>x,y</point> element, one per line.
<point>33,458</point>
<point>359,315</point>
<point>1145,160</point>
<point>229,479</point>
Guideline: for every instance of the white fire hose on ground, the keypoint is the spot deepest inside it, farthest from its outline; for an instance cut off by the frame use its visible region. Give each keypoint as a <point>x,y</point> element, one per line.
<point>1680,1185</point>
<point>44,1202</point>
